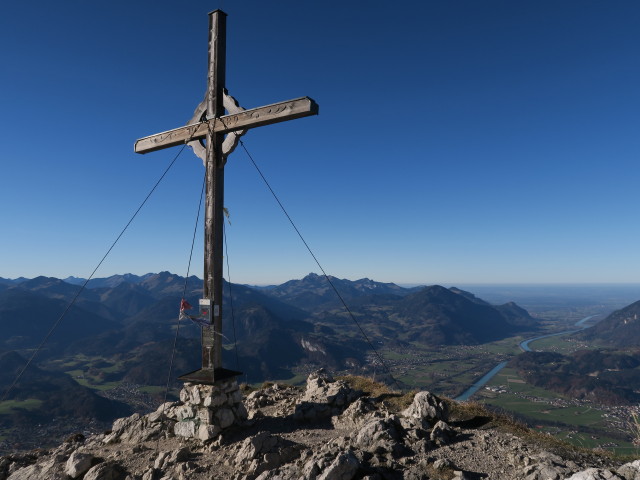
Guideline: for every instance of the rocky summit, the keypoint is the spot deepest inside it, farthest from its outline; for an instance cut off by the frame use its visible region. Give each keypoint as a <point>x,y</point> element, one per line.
<point>334,429</point>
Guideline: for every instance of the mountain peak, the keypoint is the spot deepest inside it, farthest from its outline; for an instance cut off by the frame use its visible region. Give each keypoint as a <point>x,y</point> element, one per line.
<point>42,282</point>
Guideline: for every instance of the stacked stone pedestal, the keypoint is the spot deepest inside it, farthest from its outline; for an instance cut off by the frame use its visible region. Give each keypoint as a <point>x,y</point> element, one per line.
<point>208,409</point>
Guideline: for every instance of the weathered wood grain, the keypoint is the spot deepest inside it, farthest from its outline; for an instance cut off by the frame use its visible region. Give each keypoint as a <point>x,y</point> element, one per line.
<point>255,117</point>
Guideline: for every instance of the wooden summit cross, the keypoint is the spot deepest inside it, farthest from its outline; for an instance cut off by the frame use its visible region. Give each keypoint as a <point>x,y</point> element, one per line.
<point>210,124</point>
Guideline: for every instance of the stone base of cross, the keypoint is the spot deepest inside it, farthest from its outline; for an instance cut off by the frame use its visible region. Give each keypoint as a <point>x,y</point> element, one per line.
<point>213,133</point>
<point>207,410</point>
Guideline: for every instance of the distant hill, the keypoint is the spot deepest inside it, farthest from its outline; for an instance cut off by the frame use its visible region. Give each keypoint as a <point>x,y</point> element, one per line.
<point>511,312</point>
<point>109,282</point>
<point>157,283</point>
<point>431,315</point>
<point>313,291</point>
<point>437,315</point>
<point>620,329</point>
<point>516,315</point>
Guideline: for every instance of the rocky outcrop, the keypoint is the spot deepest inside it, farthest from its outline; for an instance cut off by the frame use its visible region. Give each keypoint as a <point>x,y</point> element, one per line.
<point>78,464</point>
<point>427,407</point>
<point>141,428</point>
<point>329,431</point>
<point>628,471</point>
<point>274,399</point>
<point>263,452</point>
<point>324,397</point>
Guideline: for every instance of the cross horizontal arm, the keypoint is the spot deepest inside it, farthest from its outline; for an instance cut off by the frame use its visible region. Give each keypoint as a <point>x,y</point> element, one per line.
<point>256,117</point>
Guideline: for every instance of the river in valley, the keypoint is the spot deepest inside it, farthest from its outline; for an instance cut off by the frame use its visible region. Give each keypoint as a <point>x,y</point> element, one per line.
<point>524,346</point>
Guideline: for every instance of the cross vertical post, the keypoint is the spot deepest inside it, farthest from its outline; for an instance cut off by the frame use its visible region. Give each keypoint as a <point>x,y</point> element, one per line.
<point>221,133</point>
<point>214,203</point>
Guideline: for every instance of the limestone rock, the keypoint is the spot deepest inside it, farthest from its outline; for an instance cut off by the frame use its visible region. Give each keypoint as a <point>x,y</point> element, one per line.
<point>137,428</point>
<point>78,463</point>
<point>324,397</point>
<point>356,415</point>
<point>322,388</point>
<point>344,467</point>
<point>264,451</point>
<point>542,472</point>
<point>379,435</point>
<point>185,412</point>
<point>208,432</point>
<point>252,447</point>
<point>595,474</point>
<point>225,417</point>
<point>160,460</point>
<point>282,399</point>
<point>187,428</point>
<point>442,433</point>
<point>48,469</point>
<point>14,462</point>
<point>105,471</point>
<point>240,412</point>
<point>428,407</point>
<point>630,471</point>
<point>180,455</point>
<point>258,399</point>
<point>168,458</point>
<point>149,474</point>
<point>459,475</point>
<point>546,466</point>
<point>164,411</point>
<point>220,398</point>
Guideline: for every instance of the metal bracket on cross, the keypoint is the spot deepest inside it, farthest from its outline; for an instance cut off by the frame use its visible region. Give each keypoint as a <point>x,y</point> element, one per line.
<point>231,140</point>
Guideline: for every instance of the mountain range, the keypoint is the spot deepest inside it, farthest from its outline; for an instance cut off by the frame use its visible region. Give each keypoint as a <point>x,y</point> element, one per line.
<point>274,327</point>
<point>122,330</point>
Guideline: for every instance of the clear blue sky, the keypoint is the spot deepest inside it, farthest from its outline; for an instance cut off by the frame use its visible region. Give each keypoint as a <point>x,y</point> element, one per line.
<point>458,141</point>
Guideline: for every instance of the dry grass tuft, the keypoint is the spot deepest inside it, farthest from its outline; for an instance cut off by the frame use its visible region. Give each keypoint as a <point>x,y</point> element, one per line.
<point>369,386</point>
<point>246,389</point>
<point>461,411</point>
<point>393,400</point>
<point>443,473</point>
